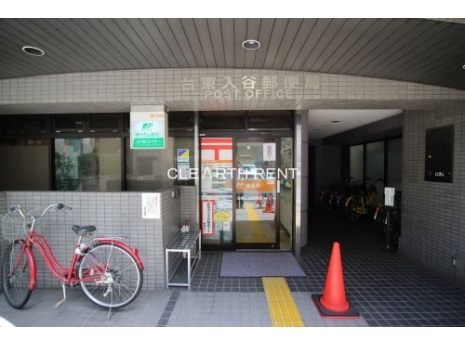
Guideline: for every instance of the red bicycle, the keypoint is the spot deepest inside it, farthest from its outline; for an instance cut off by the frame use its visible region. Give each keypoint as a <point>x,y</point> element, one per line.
<point>108,270</point>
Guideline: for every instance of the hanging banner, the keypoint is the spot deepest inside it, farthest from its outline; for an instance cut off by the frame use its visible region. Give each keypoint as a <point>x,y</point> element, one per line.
<point>207,218</point>
<point>269,151</point>
<point>149,130</point>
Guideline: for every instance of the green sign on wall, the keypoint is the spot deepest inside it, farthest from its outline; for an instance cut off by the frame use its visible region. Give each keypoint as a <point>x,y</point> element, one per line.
<point>148,130</point>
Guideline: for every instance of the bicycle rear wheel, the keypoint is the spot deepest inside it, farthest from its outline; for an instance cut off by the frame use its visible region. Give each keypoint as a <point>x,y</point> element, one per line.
<point>110,276</point>
<point>16,275</point>
<point>394,229</point>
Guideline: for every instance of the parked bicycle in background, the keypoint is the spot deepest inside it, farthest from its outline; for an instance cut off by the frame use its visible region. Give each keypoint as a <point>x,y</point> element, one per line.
<point>109,272</point>
<point>364,202</point>
<point>332,198</point>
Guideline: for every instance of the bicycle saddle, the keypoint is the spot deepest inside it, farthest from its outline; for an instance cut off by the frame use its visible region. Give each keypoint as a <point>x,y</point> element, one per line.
<point>83,230</point>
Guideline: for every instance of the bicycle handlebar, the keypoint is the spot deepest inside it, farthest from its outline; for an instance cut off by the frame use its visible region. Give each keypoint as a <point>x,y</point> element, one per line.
<point>15,208</point>
<point>60,206</point>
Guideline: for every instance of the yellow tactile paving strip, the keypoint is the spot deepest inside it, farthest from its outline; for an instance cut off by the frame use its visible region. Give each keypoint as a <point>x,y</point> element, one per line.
<point>254,230</point>
<point>251,213</point>
<point>281,304</point>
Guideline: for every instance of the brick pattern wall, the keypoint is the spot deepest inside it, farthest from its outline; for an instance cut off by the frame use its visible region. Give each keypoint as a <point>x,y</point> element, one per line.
<point>112,213</point>
<point>433,214</point>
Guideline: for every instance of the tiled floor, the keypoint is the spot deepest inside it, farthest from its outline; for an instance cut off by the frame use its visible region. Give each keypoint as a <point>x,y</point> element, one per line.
<point>385,288</point>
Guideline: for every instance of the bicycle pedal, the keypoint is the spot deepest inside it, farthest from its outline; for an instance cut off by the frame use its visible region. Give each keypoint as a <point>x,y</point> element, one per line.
<point>58,304</point>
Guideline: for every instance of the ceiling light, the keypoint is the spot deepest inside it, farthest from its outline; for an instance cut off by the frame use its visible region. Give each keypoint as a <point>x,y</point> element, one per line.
<point>251,44</point>
<point>33,51</point>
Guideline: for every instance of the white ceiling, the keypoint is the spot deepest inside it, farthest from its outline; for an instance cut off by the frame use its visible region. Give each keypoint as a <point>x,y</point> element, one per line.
<point>327,122</point>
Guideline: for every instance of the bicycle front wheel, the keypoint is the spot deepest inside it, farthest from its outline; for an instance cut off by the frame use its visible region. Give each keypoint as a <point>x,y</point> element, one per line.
<point>352,206</point>
<point>16,275</point>
<point>110,276</point>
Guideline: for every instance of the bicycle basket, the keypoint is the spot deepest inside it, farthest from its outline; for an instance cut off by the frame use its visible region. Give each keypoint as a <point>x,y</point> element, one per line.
<point>13,227</point>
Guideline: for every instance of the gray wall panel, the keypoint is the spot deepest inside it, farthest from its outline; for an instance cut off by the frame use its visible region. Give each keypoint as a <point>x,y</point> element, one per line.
<point>432,212</point>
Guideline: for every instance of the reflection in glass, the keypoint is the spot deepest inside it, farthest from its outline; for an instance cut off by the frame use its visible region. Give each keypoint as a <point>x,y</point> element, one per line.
<point>88,164</point>
<point>356,162</point>
<point>394,163</point>
<point>146,169</point>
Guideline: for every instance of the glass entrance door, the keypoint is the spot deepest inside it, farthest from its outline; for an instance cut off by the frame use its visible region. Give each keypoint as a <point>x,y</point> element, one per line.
<point>246,193</point>
<point>255,194</point>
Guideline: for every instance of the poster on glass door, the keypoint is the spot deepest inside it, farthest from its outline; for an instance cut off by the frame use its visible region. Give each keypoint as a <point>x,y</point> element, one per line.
<point>207,218</point>
<point>216,185</point>
<point>269,151</point>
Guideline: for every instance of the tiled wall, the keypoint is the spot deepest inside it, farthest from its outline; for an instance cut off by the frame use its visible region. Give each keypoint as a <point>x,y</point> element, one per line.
<point>433,213</point>
<point>189,205</point>
<point>179,88</point>
<point>3,243</point>
<point>112,213</point>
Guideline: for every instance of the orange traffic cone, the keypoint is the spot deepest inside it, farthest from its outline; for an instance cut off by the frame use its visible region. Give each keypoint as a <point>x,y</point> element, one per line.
<point>332,303</point>
<point>269,204</point>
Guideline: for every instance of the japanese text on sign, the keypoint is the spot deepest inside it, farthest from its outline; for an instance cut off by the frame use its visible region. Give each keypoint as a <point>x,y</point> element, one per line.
<point>151,203</point>
<point>250,87</point>
<point>148,130</point>
<point>207,218</point>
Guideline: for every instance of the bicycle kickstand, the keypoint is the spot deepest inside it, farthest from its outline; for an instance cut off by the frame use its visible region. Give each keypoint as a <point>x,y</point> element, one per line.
<point>109,291</point>
<point>58,304</point>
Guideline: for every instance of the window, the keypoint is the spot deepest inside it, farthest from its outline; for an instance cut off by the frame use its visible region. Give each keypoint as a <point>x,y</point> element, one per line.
<point>247,120</point>
<point>394,163</point>
<point>33,124</point>
<point>88,164</point>
<point>104,122</point>
<point>69,123</point>
<point>374,165</point>
<point>9,125</point>
<point>147,169</point>
<point>29,124</point>
<point>272,120</point>
<point>181,122</point>
<point>25,164</point>
<point>375,160</point>
<point>222,120</point>
<point>356,162</point>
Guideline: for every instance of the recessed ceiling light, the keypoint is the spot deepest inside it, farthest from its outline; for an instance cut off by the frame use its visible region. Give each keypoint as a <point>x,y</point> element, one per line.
<point>33,51</point>
<point>251,44</point>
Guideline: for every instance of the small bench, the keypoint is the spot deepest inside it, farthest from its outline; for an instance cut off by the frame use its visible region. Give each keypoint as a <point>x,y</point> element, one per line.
<point>181,258</point>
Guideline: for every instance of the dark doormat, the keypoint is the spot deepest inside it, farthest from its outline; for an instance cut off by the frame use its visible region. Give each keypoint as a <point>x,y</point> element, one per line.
<point>259,264</point>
